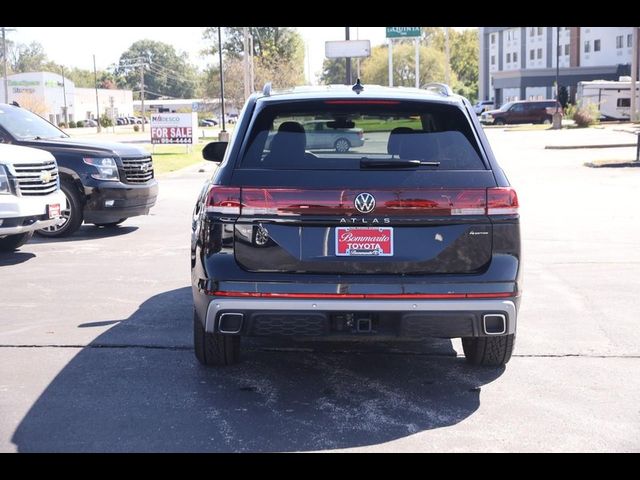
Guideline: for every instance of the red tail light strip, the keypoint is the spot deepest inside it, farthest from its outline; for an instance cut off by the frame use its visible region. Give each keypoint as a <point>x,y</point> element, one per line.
<point>370,296</point>
<point>291,201</point>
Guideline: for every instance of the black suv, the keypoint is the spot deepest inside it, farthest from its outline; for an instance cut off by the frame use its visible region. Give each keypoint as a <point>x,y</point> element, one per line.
<point>414,234</point>
<point>104,182</point>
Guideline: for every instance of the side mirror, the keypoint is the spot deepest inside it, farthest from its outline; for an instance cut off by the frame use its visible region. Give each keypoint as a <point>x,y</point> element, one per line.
<point>214,151</point>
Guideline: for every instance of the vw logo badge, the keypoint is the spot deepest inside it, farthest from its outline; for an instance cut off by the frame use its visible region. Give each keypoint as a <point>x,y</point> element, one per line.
<point>365,202</point>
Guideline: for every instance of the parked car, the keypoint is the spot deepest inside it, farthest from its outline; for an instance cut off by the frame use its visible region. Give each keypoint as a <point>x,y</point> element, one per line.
<point>322,134</point>
<point>120,121</point>
<point>88,123</point>
<point>208,122</point>
<point>483,106</point>
<point>524,111</point>
<point>415,235</point>
<point>30,196</point>
<point>104,183</point>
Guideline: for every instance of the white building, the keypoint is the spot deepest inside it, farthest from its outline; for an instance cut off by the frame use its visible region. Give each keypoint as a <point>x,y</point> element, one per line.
<point>47,93</point>
<point>519,63</point>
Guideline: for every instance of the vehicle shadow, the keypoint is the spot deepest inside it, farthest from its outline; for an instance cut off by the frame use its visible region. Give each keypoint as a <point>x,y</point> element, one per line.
<point>15,258</point>
<point>138,387</point>
<point>88,232</point>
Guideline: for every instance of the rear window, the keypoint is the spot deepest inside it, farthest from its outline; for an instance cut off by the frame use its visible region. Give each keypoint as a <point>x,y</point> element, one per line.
<point>339,134</point>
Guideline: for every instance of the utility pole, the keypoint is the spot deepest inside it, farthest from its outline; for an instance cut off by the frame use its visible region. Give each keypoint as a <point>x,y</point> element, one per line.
<point>142,93</point>
<point>64,95</point>
<point>348,59</point>
<point>95,77</point>
<point>390,40</point>
<point>557,116</point>
<point>358,59</point>
<point>4,61</point>
<point>634,77</point>
<point>253,79</point>
<point>447,78</point>
<point>417,41</point>
<point>247,76</point>
<point>224,135</point>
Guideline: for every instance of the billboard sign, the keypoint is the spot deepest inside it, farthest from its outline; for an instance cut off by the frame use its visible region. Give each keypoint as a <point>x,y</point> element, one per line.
<point>347,48</point>
<point>173,128</point>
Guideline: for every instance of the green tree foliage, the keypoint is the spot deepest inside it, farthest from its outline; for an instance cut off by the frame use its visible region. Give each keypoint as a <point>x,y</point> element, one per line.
<point>26,58</point>
<point>278,58</point>
<point>374,69</point>
<point>167,73</point>
<point>334,71</point>
<point>463,48</point>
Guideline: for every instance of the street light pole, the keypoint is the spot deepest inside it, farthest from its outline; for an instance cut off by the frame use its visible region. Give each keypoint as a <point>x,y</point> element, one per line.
<point>223,136</point>
<point>4,61</point>
<point>348,59</point>
<point>557,116</point>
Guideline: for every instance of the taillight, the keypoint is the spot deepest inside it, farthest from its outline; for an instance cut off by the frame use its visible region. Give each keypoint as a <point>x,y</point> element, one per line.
<point>502,201</point>
<point>224,200</point>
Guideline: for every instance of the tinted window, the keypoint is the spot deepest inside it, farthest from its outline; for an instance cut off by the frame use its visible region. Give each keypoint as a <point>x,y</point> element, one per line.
<point>23,124</point>
<point>624,102</point>
<point>285,135</point>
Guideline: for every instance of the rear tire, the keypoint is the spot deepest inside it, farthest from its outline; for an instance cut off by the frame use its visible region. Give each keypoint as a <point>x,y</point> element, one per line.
<point>342,145</point>
<point>499,122</point>
<point>489,351</point>
<point>14,242</point>
<point>546,120</point>
<point>214,349</point>
<point>110,224</point>
<point>71,212</point>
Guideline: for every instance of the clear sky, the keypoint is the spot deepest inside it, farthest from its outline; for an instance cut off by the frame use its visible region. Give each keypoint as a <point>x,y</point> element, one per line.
<point>74,46</point>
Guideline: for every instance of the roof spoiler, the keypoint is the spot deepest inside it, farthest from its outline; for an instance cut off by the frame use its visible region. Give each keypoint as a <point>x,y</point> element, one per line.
<point>441,88</point>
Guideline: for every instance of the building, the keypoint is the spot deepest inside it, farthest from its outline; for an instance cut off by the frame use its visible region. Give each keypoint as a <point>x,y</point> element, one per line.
<point>519,63</point>
<point>48,94</point>
<point>184,105</point>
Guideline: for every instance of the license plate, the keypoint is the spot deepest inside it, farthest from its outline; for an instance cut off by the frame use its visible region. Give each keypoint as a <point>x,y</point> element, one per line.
<point>54,210</point>
<point>364,241</point>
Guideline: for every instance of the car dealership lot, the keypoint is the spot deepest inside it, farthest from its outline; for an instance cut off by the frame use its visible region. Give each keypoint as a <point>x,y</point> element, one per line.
<point>96,350</point>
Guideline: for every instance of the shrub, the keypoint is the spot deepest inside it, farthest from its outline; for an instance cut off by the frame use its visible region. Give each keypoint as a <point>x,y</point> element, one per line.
<point>80,123</point>
<point>106,121</point>
<point>136,128</point>
<point>62,125</point>
<point>587,115</point>
<point>570,111</point>
<point>72,124</point>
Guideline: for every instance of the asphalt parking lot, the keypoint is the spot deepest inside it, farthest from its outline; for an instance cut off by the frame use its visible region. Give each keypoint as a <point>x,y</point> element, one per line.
<point>96,351</point>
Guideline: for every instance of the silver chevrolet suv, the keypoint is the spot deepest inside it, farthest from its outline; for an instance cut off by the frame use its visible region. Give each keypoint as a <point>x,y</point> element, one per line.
<point>30,196</point>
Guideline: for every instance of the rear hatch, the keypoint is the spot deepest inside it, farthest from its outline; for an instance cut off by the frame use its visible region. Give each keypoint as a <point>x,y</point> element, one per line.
<point>412,200</point>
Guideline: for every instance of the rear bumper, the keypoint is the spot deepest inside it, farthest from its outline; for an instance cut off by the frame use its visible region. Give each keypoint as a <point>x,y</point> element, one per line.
<point>387,318</point>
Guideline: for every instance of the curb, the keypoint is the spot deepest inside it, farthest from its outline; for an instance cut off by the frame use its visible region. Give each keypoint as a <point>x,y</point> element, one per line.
<point>612,165</point>
<point>569,147</point>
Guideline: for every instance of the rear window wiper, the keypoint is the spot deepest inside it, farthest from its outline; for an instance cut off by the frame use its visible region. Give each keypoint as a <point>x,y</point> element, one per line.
<point>399,163</point>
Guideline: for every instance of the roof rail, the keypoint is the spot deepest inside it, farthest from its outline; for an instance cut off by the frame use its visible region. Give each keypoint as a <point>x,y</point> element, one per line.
<point>441,88</point>
<point>266,90</point>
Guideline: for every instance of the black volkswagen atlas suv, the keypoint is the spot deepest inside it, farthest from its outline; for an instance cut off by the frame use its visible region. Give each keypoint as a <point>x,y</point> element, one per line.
<point>413,234</point>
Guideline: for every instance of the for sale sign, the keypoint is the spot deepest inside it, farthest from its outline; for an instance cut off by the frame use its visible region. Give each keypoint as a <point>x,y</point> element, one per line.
<point>168,128</point>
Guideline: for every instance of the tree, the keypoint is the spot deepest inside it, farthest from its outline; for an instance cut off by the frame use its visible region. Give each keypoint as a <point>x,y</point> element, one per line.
<point>563,96</point>
<point>374,69</point>
<point>334,71</point>
<point>464,61</point>
<point>278,58</point>
<point>26,58</point>
<point>167,73</point>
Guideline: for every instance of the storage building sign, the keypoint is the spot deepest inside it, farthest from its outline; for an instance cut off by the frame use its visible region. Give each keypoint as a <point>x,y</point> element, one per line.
<point>169,128</point>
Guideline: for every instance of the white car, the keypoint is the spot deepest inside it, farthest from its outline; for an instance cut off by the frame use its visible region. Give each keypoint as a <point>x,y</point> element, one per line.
<point>30,196</point>
<point>483,106</point>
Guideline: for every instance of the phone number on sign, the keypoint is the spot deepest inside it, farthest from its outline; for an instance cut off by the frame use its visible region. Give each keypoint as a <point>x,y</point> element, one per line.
<point>171,140</point>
